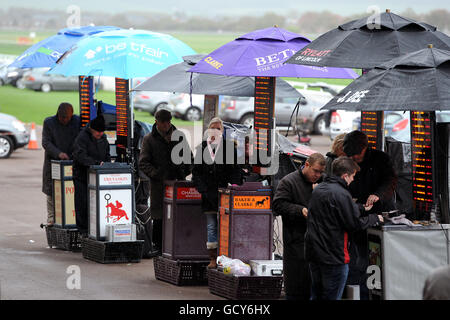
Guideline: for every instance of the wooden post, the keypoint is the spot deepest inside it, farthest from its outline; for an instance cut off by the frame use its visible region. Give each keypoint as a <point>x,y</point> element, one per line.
<point>210,109</point>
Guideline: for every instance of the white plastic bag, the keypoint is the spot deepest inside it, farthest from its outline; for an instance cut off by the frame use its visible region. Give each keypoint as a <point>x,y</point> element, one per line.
<point>233,266</point>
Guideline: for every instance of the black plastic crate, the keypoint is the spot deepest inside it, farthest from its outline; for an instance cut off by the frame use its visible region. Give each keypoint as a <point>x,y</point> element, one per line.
<point>112,252</point>
<point>244,287</point>
<point>66,239</point>
<point>181,272</point>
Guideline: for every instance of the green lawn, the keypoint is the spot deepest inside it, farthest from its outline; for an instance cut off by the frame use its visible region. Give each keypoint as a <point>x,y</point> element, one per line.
<point>200,42</point>
<point>30,106</point>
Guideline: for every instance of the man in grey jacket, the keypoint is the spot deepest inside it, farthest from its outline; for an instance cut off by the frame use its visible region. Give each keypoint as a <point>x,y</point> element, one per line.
<point>58,135</point>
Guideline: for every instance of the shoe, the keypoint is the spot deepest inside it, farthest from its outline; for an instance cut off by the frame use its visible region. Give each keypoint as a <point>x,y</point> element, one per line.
<point>213,257</point>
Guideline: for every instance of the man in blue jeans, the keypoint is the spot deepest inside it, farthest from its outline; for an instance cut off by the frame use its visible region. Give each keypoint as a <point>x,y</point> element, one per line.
<point>332,217</point>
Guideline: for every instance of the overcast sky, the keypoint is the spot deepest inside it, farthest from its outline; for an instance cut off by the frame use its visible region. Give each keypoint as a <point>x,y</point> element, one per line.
<point>215,7</point>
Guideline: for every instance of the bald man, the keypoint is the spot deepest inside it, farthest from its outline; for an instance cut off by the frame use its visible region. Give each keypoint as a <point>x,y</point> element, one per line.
<point>58,135</point>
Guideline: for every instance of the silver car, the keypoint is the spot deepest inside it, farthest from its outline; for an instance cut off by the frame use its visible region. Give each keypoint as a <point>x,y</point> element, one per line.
<point>183,108</point>
<point>13,135</point>
<point>37,79</point>
<point>152,101</point>
<point>240,109</point>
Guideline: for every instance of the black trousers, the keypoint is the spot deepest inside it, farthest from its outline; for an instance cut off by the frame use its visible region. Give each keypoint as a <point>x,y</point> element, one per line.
<point>81,204</point>
<point>296,273</point>
<point>157,233</point>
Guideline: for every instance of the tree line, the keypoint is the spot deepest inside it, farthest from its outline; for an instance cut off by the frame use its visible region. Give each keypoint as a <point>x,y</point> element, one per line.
<point>307,23</point>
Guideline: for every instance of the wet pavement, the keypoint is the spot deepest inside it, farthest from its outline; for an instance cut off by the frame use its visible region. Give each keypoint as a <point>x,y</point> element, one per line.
<point>30,270</point>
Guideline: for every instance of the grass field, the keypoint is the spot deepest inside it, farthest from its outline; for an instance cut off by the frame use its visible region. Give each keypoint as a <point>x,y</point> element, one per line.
<point>200,42</point>
<point>30,106</point>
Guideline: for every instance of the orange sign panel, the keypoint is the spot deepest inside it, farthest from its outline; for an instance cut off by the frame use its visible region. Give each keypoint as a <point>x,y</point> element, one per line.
<point>251,202</point>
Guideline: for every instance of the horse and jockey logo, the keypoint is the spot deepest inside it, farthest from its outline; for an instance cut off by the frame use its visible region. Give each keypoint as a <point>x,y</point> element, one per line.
<point>113,210</point>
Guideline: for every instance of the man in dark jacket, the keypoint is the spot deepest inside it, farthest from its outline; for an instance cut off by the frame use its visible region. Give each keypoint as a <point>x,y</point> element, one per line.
<point>156,162</point>
<point>58,135</point>
<point>90,148</point>
<point>291,201</point>
<point>373,185</point>
<point>332,216</point>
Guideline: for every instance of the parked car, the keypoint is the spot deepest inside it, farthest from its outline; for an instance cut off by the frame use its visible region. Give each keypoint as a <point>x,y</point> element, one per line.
<point>320,86</point>
<point>12,76</point>
<point>3,74</point>
<point>152,101</point>
<point>183,108</point>
<point>13,135</point>
<point>342,122</point>
<point>396,123</point>
<point>38,79</point>
<point>240,109</point>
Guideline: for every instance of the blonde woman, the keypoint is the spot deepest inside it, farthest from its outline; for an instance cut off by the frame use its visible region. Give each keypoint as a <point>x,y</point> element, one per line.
<point>337,150</point>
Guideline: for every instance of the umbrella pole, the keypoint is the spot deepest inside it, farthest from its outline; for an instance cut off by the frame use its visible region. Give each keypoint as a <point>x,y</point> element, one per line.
<point>210,109</point>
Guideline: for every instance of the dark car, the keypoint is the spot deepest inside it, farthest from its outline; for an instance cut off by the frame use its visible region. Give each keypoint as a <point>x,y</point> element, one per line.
<point>38,79</point>
<point>12,76</point>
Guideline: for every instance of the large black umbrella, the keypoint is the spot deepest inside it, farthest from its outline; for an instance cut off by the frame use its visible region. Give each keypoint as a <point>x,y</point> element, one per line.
<point>416,81</point>
<point>176,78</point>
<point>369,42</point>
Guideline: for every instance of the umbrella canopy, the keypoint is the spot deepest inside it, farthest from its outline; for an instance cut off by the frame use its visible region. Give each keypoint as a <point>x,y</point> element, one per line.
<point>45,53</point>
<point>122,54</point>
<point>417,81</point>
<point>263,53</point>
<point>361,44</point>
<point>176,78</point>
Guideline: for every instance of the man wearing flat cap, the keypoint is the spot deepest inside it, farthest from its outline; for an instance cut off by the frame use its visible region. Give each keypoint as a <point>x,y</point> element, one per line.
<point>90,148</point>
<point>373,185</point>
<point>158,164</point>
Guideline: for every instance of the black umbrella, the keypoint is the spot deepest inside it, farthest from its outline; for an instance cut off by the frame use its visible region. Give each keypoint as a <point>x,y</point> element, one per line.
<point>368,42</point>
<point>176,79</point>
<point>416,81</point>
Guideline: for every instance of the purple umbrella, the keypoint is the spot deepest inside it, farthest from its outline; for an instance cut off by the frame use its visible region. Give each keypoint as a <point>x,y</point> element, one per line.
<point>263,53</point>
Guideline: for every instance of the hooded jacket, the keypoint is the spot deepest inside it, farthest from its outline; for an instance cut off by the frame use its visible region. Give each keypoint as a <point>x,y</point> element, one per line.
<point>332,217</point>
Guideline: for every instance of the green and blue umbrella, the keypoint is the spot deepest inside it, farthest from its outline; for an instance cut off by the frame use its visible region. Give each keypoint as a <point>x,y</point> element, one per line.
<point>45,53</point>
<point>122,54</point>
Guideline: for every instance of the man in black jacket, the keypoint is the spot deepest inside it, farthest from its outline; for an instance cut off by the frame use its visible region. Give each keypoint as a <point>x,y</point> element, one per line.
<point>156,162</point>
<point>58,135</point>
<point>291,201</point>
<point>332,216</point>
<point>373,185</point>
<point>90,148</point>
